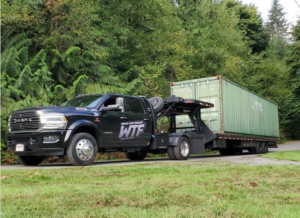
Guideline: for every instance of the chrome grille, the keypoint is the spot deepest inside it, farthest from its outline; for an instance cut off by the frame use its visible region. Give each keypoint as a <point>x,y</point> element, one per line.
<point>26,121</point>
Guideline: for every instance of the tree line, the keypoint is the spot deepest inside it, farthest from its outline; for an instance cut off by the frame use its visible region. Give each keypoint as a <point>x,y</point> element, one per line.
<point>53,50</point>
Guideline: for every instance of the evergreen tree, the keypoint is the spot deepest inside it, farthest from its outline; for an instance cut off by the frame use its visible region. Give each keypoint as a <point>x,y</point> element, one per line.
<point>277,27</point>
<point>251,25</point>
<point>294,66</point>
<point>277,24</point>
<point>215,44</point>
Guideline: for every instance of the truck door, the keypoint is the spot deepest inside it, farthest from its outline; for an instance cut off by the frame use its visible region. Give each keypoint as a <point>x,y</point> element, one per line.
<point>138,130</point>
<point>111,122</point>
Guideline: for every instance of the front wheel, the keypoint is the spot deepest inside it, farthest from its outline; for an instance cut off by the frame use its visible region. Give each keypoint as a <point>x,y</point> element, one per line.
<point>30,160</point>
<point>82,150</point>
<point>138,155</point>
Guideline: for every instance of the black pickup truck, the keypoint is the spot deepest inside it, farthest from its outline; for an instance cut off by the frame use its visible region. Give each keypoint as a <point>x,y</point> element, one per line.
<point>88,124</point>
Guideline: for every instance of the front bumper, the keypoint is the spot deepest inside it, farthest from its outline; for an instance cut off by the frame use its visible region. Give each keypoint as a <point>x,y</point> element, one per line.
<point>34,144</point>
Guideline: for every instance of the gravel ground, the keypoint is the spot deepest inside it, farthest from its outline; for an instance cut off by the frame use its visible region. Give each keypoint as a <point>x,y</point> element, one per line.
<point>251,159</point>
<point>256,160</point>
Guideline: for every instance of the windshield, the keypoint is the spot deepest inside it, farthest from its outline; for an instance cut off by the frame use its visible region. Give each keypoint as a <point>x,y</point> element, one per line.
<point>84,101</point>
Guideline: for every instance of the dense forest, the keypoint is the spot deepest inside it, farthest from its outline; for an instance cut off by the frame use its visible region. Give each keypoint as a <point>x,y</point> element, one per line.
<point>53,50</point>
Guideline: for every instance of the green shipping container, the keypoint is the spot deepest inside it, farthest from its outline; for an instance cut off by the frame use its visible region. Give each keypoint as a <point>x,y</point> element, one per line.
<point>236,111</point>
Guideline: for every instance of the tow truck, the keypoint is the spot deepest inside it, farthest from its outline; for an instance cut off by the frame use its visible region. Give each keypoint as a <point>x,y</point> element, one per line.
<point>88,124</point>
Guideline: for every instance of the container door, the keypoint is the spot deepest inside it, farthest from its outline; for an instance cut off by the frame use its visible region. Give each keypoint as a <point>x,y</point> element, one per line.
<point>185,89</point>
<point>208,90</point>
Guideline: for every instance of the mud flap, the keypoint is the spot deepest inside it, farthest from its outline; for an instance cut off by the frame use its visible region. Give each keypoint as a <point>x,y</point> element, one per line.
<point>197,144</point>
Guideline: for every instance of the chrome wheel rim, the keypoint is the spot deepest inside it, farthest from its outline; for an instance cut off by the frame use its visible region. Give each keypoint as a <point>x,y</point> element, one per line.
<point>84,149</point>
<point>184,148</point>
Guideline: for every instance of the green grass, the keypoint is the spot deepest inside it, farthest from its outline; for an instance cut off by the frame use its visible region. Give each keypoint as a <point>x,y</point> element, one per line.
<point>284,155</point>
<point>182,189</point>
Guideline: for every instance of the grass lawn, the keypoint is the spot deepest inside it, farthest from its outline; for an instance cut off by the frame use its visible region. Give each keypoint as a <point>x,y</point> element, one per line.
<point>180,189</point>
<point>284,155</point>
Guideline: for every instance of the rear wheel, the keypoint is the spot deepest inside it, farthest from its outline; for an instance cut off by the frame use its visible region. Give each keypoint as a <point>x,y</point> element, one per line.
<point>170,152</point>
<point>138,155</point>
<point>82,150</point>
<point>30,160</point>
<point>182,150</point>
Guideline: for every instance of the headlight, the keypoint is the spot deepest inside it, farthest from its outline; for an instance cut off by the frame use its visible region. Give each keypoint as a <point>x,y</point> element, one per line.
<point>53,121</point>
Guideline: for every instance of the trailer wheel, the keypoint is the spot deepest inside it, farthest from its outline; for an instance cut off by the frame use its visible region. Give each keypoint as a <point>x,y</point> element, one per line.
<point>266,148</point>
<point>171,154</point>
<point>82,150</point>
<point>138,155</point>
<point>157,103</point>
<point>30,160</point>
<point>258,148</point>
<point>182,150</point>
<point>261,148</point>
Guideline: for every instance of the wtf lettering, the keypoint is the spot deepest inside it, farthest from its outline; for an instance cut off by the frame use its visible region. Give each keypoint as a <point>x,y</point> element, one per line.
<point>131,130</point>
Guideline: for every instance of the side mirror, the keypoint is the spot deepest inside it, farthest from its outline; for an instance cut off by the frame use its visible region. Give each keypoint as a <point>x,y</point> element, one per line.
<point>112,107</point>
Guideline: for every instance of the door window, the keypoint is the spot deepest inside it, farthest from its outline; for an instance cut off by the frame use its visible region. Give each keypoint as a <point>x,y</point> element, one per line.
<point>134,106</point>
<point>116,102</point>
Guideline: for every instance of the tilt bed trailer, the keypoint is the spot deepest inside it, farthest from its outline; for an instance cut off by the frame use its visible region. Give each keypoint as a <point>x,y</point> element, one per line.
<point>88,124</point>
<point>240,119</point>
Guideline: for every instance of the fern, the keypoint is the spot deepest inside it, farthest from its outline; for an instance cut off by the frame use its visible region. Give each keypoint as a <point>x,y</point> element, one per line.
<point>10,62</point>
<point>72,50</point>
<point>25,76</point>
<point>78,86</point>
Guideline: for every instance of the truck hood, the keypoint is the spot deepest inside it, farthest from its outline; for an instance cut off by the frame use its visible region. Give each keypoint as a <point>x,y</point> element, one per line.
<point>58,109</point>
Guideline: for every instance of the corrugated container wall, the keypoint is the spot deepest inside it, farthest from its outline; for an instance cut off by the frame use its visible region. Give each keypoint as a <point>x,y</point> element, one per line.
<point>236,110</point>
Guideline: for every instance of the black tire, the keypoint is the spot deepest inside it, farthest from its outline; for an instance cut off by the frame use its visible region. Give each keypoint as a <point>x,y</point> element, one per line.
<point>82,149</point>
<point>157,103</point>
<point>266,147</point>
<point>30,160</point>
<point>182,150</point>
<point>138,155</point>
<point>262,148</point>
<point>171,154</point>
<point>258,148</point>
